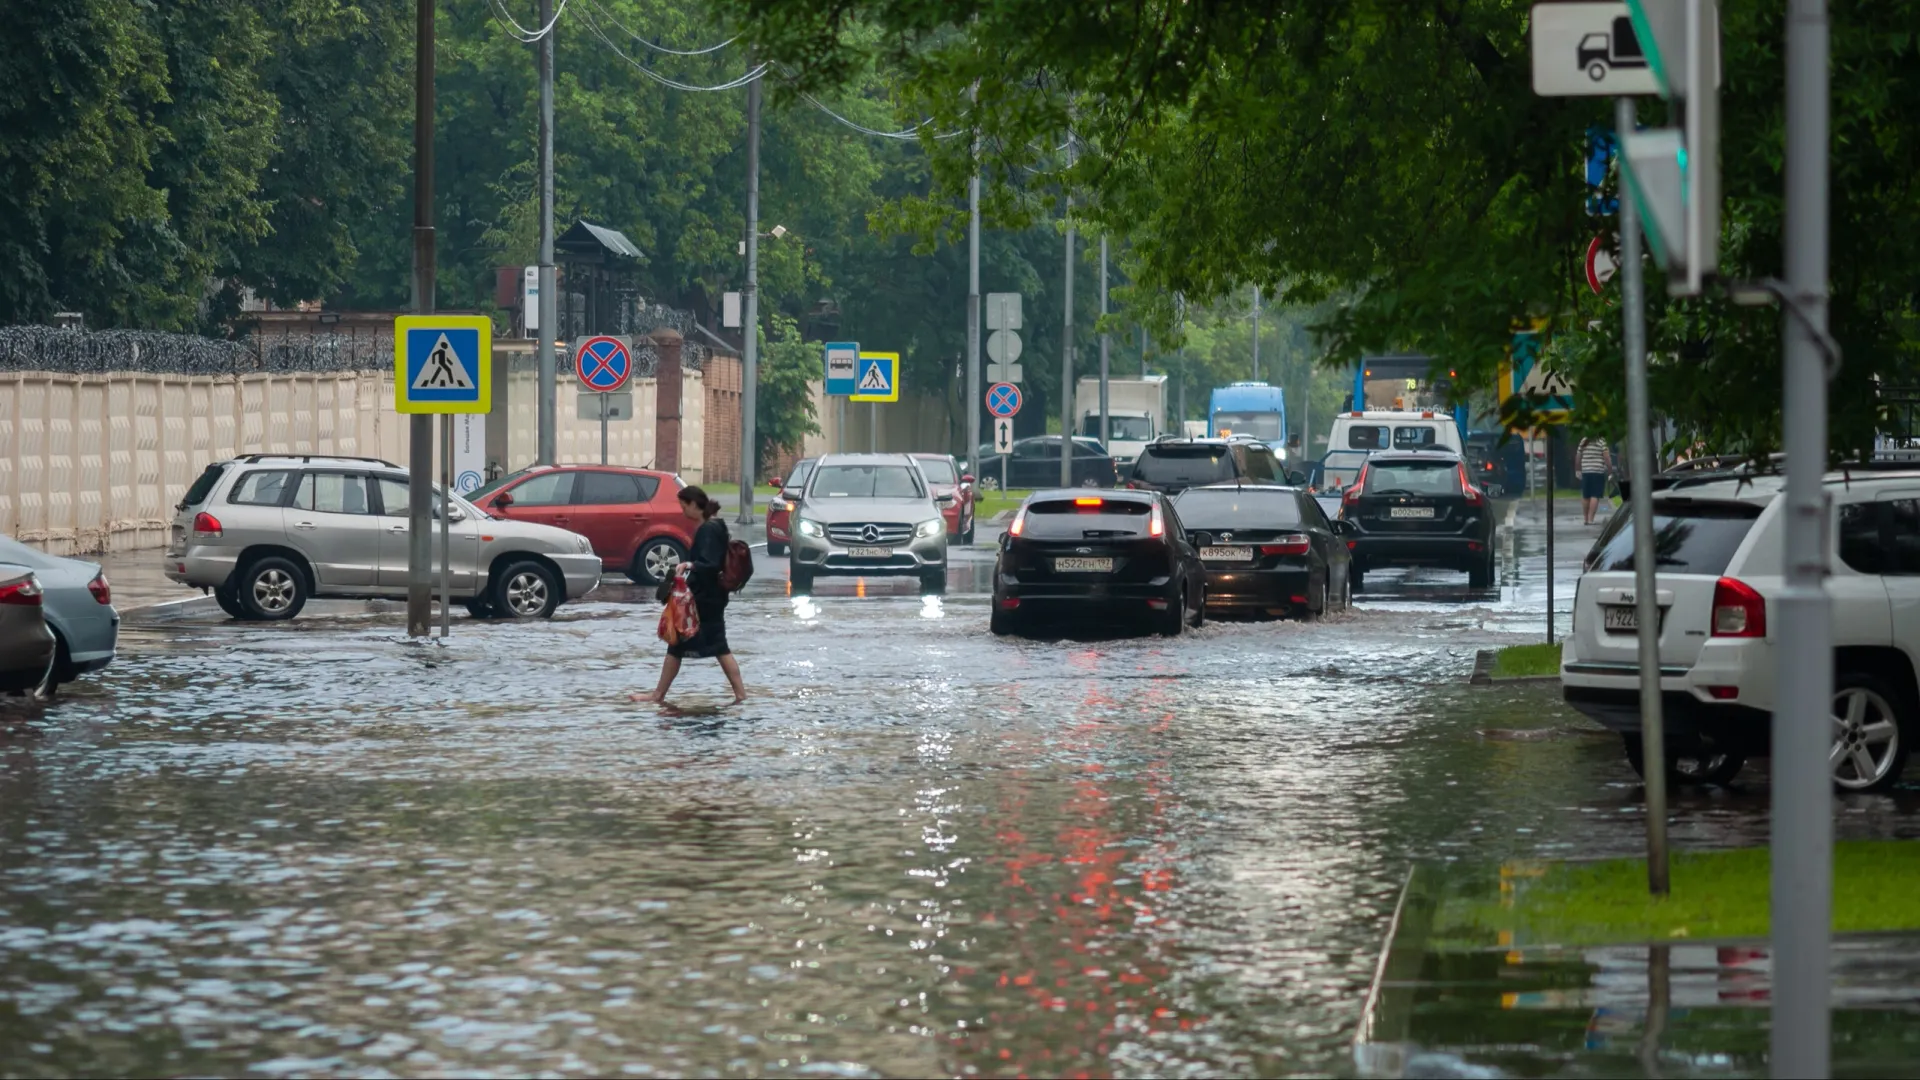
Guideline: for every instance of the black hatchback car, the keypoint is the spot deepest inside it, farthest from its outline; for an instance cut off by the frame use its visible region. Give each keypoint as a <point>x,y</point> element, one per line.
<point>1035,463</point>
<point>1117,556</point>
<point>1268,550</point>
<point>1418,508</point>
<point>1174,465</point>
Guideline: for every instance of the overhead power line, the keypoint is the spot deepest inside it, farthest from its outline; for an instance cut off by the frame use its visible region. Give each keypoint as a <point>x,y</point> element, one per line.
<point>500,13</point>
<point>662,79</point>
<point>607,15</point>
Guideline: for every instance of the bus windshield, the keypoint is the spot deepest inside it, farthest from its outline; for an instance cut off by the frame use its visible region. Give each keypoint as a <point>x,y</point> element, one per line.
<point>1260,425</point>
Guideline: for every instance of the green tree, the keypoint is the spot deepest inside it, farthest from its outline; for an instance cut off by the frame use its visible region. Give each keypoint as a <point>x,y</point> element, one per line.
<point>784,411</point>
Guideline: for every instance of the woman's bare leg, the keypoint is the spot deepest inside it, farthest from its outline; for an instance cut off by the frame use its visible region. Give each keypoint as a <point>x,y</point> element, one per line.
<point>732,668</point>
<point>668,671</point>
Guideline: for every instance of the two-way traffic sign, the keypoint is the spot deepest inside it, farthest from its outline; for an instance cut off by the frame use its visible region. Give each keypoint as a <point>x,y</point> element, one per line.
<point>442,364</point>
<point>1003,435</point>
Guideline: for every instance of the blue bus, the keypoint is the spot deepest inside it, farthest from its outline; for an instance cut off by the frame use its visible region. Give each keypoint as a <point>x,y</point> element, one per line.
<point>1249,408</point>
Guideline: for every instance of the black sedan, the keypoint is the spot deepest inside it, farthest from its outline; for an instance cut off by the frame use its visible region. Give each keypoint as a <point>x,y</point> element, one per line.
<point>1035,463</point>
<point>1419,508</point>
<point>1268,549</point>
<point>1116,557</point>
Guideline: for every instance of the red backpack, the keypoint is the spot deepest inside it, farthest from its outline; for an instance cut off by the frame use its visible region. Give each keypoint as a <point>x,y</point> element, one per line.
<point>737,570</point>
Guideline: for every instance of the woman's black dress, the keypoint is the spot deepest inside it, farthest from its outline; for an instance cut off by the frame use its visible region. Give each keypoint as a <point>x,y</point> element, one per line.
<point>709,597</point>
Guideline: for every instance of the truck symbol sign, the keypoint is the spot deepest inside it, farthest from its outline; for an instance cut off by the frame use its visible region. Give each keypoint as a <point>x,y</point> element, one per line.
<point>1620,49</point>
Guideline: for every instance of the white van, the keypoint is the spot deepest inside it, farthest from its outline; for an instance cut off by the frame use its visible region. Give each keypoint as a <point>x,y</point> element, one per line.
<point>1389,430</point>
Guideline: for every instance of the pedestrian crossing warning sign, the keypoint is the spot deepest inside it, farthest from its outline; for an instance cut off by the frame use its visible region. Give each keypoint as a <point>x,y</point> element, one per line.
<point>442,364</point>
<point>878,378</point>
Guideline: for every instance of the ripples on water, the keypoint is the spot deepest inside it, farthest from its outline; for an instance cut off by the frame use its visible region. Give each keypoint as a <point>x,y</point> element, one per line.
<point>916,850</point>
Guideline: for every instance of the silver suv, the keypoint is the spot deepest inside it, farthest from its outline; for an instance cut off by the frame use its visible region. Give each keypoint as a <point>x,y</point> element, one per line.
<point>865,515</point>
<point>266,532</point>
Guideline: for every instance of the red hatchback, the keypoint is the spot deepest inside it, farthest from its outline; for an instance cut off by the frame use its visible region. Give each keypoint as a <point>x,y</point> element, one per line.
<point>780,510</point>
<point>631,516</point>
<point>952,493</point>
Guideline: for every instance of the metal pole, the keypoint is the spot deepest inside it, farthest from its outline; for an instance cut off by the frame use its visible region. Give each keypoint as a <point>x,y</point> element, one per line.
<point>1106,421</point>
<point>1802,728</point>
<point>549,303</point>
<point>1066,346</point>
<point>420,427</point>
<point>603,429</point>
<point>973,307</point>
<point>1143,352</point>
<point>1256,335</point>
<point>873,425</point>
<point>1549,535</point>
<point>446,526</point>
<point>1653,743</point>
<point>750,378</point>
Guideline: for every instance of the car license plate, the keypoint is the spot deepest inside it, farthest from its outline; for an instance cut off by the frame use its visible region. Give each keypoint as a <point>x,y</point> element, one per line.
<point>1227,554</point>
<point>871,552</point>
<point>1623,617</point>
<point>1410,512</point>
<point>1082,566</point>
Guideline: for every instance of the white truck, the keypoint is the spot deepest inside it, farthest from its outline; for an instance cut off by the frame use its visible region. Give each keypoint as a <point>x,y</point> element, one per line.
<point>1136,413</point>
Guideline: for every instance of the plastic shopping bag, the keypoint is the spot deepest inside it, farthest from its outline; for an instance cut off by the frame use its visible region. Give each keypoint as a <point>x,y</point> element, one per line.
<point>680,621</point>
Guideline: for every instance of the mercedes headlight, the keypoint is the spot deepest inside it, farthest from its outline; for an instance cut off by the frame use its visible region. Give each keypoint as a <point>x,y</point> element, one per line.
<point>930,528</point>
<point>810,528</point>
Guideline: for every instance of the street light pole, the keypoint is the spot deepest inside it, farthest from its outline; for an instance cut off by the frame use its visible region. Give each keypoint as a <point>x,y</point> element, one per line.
<point>1653,743</point>
<point>973,302</point>
<point>1066,346</point>
<point>750,377</point>
<point>1802,812</point>
<point>1256,334</point>
<point>419,426</point>
<point>549,303</point>
<point>1106,373</point>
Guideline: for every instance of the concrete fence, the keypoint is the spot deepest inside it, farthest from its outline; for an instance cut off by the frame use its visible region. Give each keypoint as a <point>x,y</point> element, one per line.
<point>96,462</point>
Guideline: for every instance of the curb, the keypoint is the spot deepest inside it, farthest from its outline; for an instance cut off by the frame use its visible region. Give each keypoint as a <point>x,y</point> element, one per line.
<point>170,610</point>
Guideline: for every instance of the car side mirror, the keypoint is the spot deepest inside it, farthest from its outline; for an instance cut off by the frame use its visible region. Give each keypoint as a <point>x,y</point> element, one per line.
<point>1340,526</point>
<point>774,483</point>
<point>967,479</point>
<point>503,500</point>
<point>1296,479</point>
<point>454,513</point>
<point>1201,539</point>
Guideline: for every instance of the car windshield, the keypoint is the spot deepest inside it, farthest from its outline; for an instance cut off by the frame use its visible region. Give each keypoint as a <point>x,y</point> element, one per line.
<point>1340,468</point>
<point>1207,508</point>
<point>1413,478</point>
<point>1184,465</point>
<point>1086,517</point>
<point>1124,428</point>
<point>801,470</point>
<point>203,486</point>
<point>867,482</point>
<point>1416,436</point>
<point>492,486</point>
<point>1688,537</point>
<point>1260,425</point>
<point>938,470</point>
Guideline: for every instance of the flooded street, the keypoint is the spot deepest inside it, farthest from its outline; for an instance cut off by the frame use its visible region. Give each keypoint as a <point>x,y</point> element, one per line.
<point>316,848</point>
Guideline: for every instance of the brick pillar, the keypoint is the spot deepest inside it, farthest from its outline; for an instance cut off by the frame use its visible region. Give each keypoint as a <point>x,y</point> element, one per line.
<point>667,393</point>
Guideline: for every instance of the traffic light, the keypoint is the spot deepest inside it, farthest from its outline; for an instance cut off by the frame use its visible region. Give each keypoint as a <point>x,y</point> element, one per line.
<point>1673,174</point>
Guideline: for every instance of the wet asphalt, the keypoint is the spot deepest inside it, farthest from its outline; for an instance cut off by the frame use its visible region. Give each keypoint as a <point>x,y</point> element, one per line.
<point>319,848</point>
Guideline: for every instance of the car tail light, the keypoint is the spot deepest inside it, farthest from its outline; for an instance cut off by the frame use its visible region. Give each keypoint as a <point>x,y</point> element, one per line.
<point>24,593</point>
<point>1156,525</point>
<point>1353,490</point>
<point>1009,603</point>
<point>102,592</point>
<point>1724,693</point>
<point>1738,610</point>
<point>1474,498</point>
<point>1290,544</point>
<point>205,524</point>
<point>1019,523</point>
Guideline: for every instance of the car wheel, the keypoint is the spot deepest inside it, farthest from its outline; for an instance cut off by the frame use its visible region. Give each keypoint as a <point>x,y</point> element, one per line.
<point>480,607</point>
<point>656,560</point>
<point>1693,767</point>
<point>273,588</point>
<point>776,549</point>
<point>1198,618</point>
<point>933,582</point>
<point>801,579</point>
<point>1170,622</point>
<point>1870,736</point>
<point>1481,576</point>
<point>229,601</point>
<point>1315,610</point>
<point>525,590</point>
<point>1001,621</point>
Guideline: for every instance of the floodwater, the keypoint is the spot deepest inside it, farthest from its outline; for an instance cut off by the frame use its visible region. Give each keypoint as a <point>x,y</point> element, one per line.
<point>317,848</point>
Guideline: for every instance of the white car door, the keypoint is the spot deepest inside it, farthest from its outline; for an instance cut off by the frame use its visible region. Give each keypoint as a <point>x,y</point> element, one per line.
<point>1900,575</point>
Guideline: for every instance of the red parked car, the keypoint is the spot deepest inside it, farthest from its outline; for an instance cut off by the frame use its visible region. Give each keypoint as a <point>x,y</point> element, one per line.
<point>780,510</point>
<point>952,493</point>
<point>631,516</point>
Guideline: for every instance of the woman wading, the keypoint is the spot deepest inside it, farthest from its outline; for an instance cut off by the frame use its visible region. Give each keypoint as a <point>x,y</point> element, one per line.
<point>707,559</point>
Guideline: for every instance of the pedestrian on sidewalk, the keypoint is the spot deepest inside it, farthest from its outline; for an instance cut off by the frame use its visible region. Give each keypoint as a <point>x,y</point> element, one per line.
<point>708,557</point>
<point>1594,460</point>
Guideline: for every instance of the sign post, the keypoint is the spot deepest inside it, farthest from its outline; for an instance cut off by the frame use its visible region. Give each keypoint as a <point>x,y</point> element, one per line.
<point>603,365</point>
<point>442,364</point>
<point>878,380</point>
<point>842,360</point>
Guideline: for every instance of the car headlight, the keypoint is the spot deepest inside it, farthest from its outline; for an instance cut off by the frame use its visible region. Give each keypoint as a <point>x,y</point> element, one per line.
<point>581,544</point>
<point>929,528</point>
<point>810,528</point>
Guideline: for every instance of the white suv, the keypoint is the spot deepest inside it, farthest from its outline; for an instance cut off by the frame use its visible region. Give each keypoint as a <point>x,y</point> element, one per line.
<point>265,532</point>
<point>1721,566</point>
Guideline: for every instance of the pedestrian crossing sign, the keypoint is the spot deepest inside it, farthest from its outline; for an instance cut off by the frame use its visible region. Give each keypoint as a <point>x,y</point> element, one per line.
<point>877,377</point>
<point>442,364</point>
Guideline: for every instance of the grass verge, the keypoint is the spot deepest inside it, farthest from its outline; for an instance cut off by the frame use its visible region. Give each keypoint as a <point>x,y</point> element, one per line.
<point>988,503</point>
<point>1522,661</point>
<point>1716,894</point>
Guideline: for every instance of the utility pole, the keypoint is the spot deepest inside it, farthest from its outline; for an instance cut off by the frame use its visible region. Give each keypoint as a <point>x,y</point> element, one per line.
<point>1653,743</point>
<point>1143,352</point>
<point>750,378</point>
<point>1256,333</point>
<point>1066,345</point>
<point>549,443</point>
<point>420,426</point>
<point>1106,422</point>
<point>973,305</point>
<point>1802,721</point>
